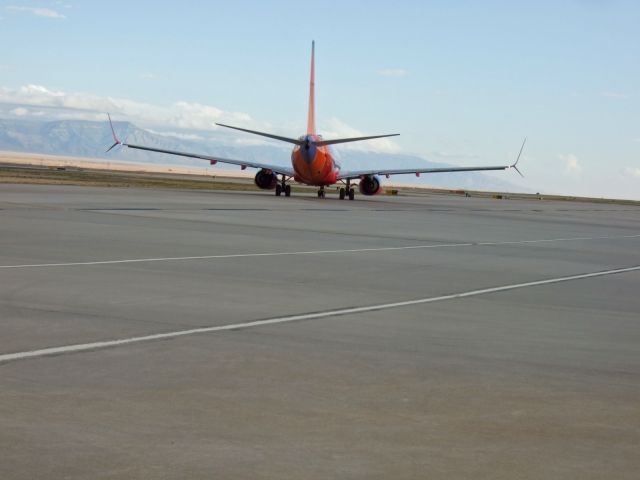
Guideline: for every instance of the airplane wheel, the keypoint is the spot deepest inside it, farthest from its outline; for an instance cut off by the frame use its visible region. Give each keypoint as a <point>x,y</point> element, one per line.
<point>279,190</point>
<point>352,194</point>
<point>342,193</point>
<point>287,190</point>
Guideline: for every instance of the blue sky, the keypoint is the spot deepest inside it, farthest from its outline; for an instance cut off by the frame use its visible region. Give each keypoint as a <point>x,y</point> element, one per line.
<point>463,82</point>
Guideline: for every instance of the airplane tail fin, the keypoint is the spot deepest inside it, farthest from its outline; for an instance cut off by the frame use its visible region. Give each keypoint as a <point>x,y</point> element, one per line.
<point>311,120</point>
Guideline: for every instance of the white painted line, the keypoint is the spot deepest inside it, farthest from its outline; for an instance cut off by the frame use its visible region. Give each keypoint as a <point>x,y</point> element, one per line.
<point>293,318</point>
<point>313,252</point>
<point>233,255</point>
<point>569,239</point>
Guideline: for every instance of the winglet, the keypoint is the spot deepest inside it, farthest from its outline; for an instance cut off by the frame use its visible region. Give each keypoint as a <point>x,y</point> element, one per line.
<point>515,165</point>
<point>113,132</point>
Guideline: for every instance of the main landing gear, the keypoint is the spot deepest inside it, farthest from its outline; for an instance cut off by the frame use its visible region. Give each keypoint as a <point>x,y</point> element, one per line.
<point>280,190</point>
<point>347,192</point>
<point>321,192</point>
<point>344,193</point>
<point>283,187</point>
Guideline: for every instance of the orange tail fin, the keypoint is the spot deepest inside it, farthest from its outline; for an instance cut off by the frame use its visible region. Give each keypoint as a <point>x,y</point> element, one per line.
<point>311,121</point>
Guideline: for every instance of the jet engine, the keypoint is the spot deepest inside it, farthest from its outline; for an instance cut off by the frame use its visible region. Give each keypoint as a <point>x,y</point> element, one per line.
<point>266,179</point>
<point>369,185</point>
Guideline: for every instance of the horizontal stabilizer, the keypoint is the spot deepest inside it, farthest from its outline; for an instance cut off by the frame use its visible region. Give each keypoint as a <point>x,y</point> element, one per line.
<point>269,135</point>
<point>321,143</point>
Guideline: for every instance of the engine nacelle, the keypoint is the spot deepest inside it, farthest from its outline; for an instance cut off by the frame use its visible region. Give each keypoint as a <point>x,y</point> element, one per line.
<point>266,179</point>
<point>369,185</point>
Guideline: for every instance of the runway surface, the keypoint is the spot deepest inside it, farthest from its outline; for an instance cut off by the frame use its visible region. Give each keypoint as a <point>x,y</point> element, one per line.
<point>183,334</point>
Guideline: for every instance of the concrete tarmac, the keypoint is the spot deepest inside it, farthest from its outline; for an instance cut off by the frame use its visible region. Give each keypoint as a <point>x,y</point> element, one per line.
<point>538,381</point>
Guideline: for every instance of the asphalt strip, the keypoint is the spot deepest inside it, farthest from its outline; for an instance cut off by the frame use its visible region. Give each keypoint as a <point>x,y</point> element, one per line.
<point>313,252</point>
<point>44,352</point>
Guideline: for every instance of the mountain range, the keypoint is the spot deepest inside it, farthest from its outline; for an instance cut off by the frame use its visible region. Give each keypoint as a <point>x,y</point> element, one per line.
<point>79,138</point>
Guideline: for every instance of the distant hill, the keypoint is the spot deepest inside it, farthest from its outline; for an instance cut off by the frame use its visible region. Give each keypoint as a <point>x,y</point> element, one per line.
<point>87,139</point>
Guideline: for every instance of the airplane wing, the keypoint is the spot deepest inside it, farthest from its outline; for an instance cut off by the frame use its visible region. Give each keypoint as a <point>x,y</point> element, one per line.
<point>349,175</point>
<point>243,163</point>
<point>213,159</point>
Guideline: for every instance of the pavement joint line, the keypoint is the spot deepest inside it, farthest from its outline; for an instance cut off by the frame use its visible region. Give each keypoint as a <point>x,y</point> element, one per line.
<point>51,351</point>
<point>313,252</point>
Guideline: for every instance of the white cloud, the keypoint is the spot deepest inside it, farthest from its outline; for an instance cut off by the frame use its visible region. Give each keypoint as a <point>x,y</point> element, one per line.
<point>203,117</point>
<point>37,11</point>
<point>250,141</point>
<point>393,72</point>
<point>82,106</point>
<point>336,128</point>
<point>452,155</point>
<point>39,101</point>
<point>180,135</point>
<point>20,112</point>
<point>632,172</point>
<point>615,95</point>
<point>571,163</point>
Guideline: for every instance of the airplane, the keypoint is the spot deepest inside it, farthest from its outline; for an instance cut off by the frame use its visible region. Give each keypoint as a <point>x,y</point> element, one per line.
<point>312,161</point>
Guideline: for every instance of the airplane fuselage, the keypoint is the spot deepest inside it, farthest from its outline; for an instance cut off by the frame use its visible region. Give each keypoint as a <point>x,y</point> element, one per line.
<point>314,164</point>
